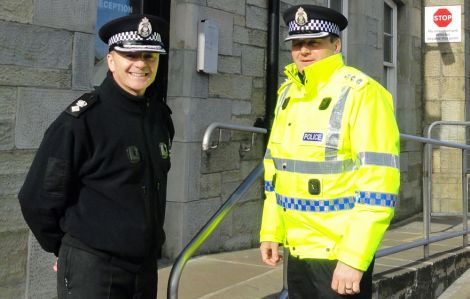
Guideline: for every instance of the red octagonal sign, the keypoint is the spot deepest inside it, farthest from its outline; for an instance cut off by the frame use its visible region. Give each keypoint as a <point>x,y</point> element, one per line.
<point>442,17</point>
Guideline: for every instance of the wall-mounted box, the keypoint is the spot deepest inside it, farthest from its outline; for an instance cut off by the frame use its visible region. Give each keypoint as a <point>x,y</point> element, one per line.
<point>207,46</point>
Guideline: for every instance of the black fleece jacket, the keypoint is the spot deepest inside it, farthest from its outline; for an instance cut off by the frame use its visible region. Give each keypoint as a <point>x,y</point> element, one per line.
<point>100,175</point>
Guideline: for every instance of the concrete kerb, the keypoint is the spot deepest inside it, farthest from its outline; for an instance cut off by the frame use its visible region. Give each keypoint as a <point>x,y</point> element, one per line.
<point>424,278</point>
<point>459,289</point>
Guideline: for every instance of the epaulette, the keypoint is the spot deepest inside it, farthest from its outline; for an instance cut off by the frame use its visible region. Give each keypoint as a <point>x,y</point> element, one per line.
<point>356,79</point>
<point>81,104</point>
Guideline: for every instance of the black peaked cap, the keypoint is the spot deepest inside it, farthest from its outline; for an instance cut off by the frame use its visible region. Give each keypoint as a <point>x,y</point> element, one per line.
<point>135,33</point>
<point>312,21</point>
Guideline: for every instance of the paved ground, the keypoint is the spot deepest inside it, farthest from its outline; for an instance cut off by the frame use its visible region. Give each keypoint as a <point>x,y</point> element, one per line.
<point>241,275</point>
<point>460,289</point>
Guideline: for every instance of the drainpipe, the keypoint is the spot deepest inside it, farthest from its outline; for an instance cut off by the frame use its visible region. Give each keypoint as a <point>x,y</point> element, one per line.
<point>272,63</point>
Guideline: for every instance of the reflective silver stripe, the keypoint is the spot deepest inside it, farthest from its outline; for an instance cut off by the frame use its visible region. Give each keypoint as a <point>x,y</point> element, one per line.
<point>334,126</point>
<point>282,98</point>
<point>310,167</point>
<point>380,159</point>
<point>267,155</point>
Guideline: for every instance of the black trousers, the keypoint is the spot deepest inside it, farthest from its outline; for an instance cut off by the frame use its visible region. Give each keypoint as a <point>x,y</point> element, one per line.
<point>311,279</point>
<point>83,275</point>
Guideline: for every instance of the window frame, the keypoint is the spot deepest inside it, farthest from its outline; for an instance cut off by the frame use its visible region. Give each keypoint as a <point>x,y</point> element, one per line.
<point>390,68</point>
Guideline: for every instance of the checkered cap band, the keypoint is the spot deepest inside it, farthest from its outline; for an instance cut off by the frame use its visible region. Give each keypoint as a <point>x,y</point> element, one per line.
<point>133,36</point>
<point>313,26</point>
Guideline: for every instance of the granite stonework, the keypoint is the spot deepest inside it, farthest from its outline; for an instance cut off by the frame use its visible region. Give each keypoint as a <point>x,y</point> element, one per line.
<point>41,282</point>
<point>37,108</point>
<point>46,59</point>
<point>20,11</point>
<point>444,83</point>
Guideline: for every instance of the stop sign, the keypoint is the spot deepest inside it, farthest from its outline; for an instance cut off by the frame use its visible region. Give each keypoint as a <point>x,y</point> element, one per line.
<point>442,17</point>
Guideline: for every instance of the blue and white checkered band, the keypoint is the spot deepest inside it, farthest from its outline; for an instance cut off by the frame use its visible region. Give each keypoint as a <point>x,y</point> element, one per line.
<point>313,26</point>
<point>131,36</point>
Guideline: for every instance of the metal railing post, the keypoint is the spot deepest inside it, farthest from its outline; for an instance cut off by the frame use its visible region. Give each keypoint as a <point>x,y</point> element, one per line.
<point>464,201</point>
<point>427,201</point>
<point>464,175</point>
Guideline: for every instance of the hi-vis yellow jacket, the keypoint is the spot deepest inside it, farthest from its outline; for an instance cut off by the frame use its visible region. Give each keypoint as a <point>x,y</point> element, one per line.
<point>332,164</point>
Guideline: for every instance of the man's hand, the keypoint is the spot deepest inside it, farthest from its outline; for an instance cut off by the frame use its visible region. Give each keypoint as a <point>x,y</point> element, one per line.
<point>270,253</point>
<point>346,279</point>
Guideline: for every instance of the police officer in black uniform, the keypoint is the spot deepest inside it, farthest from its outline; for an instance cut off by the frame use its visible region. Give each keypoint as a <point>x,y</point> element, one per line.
<point>95,193</point>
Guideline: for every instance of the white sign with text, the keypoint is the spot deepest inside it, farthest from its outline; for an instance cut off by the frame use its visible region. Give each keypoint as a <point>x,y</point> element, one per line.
<point>442,24</point>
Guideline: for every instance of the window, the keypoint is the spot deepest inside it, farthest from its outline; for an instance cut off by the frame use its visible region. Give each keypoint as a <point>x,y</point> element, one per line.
<point>108,10</point>
<point>390,47</point>
<point>342,7</point>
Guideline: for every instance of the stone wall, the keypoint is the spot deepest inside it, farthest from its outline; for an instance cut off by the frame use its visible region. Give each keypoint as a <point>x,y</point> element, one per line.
<point>444,95</point>
<point>200,182</point>
<point>409,106</point>
<point>46,60</point>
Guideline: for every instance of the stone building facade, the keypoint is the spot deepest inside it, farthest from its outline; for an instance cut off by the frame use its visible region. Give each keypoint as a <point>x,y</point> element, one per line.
<point>47,58</point>
<point>445,94</point>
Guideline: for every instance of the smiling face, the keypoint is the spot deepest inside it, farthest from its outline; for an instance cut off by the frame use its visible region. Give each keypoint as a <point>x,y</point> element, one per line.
<point>133,71</point>
<point>308,51</point>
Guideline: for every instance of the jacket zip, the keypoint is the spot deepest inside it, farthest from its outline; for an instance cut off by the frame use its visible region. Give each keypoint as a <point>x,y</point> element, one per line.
<point>149,202</point>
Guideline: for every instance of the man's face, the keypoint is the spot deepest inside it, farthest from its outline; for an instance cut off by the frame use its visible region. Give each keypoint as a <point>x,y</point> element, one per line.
<point>133,71</point>
<point>308,51</point>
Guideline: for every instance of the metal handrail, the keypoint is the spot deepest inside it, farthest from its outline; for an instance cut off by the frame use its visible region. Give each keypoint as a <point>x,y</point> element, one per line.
<point>209,227</point>
<point>207,230</point>
<point>206,145</point>
<point>426,204</point>
<point>427,183</point>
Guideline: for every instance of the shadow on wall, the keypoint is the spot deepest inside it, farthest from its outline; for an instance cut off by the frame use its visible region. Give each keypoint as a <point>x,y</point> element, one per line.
<point>447,55</point>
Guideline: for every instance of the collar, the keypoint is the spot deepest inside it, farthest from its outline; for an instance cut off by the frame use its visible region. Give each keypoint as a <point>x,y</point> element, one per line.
<point>110,91</point>
<point>317,74</point>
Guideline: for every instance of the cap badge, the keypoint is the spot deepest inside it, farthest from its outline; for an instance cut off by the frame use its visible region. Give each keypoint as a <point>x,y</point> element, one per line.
<point>301,17</point>
<point>145,28</point>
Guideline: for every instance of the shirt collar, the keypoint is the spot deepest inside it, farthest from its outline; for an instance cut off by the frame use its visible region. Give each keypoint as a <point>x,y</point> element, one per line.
<point>111,91</point>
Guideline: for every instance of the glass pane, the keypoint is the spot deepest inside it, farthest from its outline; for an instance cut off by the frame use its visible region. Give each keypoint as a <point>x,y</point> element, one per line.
<point>388,13</point>
<point>108,10</point>
<point>388,48</point>
<point>385,78</point>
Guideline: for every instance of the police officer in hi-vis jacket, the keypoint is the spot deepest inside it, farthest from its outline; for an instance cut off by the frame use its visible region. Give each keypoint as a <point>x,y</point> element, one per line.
<point>331,166</point>
<point>95,194</point>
